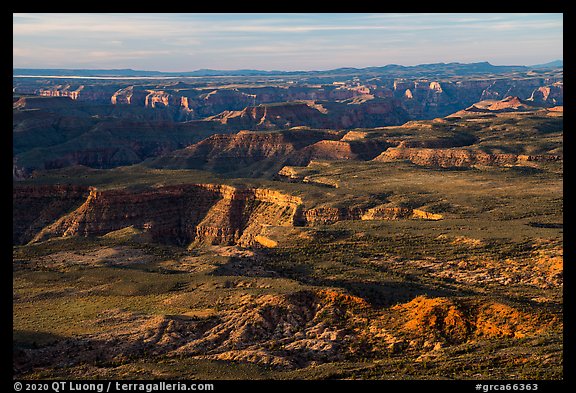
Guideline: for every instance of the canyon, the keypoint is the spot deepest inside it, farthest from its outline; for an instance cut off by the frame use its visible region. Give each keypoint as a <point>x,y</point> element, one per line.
<point>244,104</point>
<point>104,124</point>
<point>381,223</point>
<point>184,215</point>
<point>202,213</point>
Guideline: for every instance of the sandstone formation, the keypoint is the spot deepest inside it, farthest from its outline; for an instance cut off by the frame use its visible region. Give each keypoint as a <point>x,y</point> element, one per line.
<point>202,213</point>
<point>441,318</point>
<point>317,114</point>
<point>222,153</point>
<point>50,140</point>
<point>290,225</point>
<point>35,207</point>
<point>338,150</point>
<point>330,215</point>
<point>105,125</point>
<point>184,214</point>
<point>420,97</point>
<point>94,93</point>
<point>509,103</point>
<point>552,94</point>
<point>295,330</point>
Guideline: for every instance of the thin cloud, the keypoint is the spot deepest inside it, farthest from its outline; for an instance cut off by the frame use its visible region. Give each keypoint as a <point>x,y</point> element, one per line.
<point>265,41</point>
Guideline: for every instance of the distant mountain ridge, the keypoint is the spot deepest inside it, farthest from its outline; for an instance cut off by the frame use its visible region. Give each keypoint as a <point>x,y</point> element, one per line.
<point>439,69</point>
<point>551,64</point>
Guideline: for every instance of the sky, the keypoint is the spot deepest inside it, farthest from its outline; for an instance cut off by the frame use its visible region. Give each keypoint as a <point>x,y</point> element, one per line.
<point>316,41</point>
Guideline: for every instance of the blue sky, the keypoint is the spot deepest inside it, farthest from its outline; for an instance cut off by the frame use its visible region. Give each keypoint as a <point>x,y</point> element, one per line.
<point>186,42</point>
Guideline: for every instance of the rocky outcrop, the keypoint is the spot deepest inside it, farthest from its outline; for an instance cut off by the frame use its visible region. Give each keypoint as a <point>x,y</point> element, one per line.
<point>427,99</point>
<point>354,136</point>
<point>551,95</point>
<point>70,91</point>
<point>422,214</point>
<point>371,113</point>
<point>201,213</point>
<point>387,213</point>
<point>508,104</point>
<point>419,98</point>
<point>160,99</point>
<point>180,214</point>
<point>94,93</point>
<point>327,150</point>
<point>316,114</point>
<point>44,103</point>
<point>280,331</point>
<point>290,173</point>
<point>220,100</point>
<point>295,330</point>
<point>302,326</point>
<point>226,153</point>
<point>240,216</point>
<point>178,106</point>
<point>330,215</point>
<point>447,158</point>
<point>339,150</point>
<point>35,207</point>
<point>122,96</point>
<point>129,96</point>
<point>223,153</point>
<point>45,141</point>
<point>452,322</point>
<point>270,116</point>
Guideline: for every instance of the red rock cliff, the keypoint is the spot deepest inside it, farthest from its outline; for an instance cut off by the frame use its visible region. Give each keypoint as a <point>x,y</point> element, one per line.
<point>179,214</point>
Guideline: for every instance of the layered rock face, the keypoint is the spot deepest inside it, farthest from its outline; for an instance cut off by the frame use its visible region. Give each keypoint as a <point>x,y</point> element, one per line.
<point>190,104</point>
<point>338,150</point>
<point>508,104</point>
<point>49,141</point>
<point>181,214</point>
<point>222,153</point>
<point>128,96</point>
<point>97,93</point>
<point>271,116</point>
<point>295,330</point>
<point>104,125</point>
<point>317,114</point>
<point>183,104</point>
<point>552,94</point>
<point>421,98</point>
<point>171,214</point>
<point>330,215</point>
<point>425,99</point>
<point>59,102</point>
<point>34,207</point>
<point>70,91</point>
<point>447,158</point>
